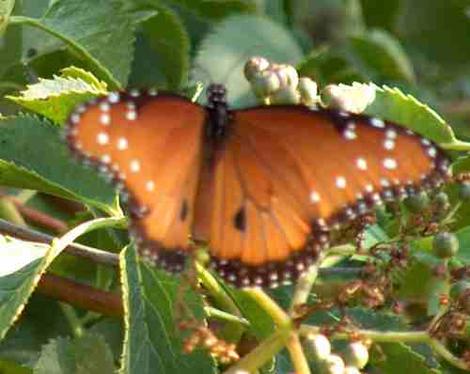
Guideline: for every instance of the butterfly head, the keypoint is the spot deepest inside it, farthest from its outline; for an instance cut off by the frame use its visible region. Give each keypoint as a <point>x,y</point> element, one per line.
<point>218,110</point>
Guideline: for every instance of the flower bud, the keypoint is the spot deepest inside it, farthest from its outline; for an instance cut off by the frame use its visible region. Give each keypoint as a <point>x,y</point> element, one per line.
<point>254,66</point>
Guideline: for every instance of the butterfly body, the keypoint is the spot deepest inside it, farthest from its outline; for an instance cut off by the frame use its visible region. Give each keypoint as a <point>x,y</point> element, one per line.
<point>261,186</point>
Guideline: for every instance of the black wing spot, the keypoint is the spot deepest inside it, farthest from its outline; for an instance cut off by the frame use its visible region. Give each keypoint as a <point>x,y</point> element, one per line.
<point>184,210</point>
<point>239,220</point>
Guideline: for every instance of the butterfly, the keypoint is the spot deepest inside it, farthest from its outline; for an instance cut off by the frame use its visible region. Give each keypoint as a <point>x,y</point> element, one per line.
<point>261,186</point>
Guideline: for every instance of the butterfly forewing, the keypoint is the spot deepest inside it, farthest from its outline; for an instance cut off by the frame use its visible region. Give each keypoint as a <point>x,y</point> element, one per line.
<point>152,146</point>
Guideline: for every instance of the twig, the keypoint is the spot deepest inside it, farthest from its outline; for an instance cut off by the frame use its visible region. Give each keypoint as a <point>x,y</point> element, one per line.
<point>297,354</point>
<point>79,250</point>
<point>81,295</point>
<point>39,218</point>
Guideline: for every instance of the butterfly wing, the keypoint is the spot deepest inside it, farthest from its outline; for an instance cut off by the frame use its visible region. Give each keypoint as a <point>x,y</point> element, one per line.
<point>287,174</point>
<point>151,146</point>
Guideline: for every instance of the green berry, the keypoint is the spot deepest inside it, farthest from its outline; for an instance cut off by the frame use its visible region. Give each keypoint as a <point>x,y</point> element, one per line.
<point>254,66</point>
<point>356,354</point>
<point>265,83</point>
<point>317,346</point>
<point>441,199</point>
<point>333,364</point>
<point>458,289</point>
<point>286,95</point>
<point>445,245</point>
<point>464,191</point>
<point>308,90</point>
<point>418,202</point>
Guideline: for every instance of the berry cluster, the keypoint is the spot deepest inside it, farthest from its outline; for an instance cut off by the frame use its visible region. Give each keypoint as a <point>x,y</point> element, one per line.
<point>349,360</point>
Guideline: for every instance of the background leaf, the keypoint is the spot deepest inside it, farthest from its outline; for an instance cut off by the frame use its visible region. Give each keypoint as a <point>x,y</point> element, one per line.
<point>88,354</point>
<point>166,50</point>
<point>222,54</point>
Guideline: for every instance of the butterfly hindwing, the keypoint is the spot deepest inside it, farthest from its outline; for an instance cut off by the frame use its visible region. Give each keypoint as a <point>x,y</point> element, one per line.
<point>298,172</point>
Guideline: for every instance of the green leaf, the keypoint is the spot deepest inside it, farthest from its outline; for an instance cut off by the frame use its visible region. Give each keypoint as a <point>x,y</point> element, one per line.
<point>99,31</point>
<point>381,56</point>
<point>393,358</point>
<point>88,354</point>
<point>393,105</point>
<point>153,341</point>
<point>216,9</point>
<point>223,53</point>
<point>33,156</point>
<point>55,98</point>
<point>22,264</point>
<point>169,42</point>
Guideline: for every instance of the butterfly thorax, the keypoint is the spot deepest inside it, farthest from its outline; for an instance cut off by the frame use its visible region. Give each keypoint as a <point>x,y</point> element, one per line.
<point>218,112</point>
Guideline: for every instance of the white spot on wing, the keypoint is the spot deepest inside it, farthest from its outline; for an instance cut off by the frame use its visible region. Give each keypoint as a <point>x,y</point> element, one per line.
<point>105,119</point>
<point>314,197</point>
<point>104,106</point>
<point>102,138</point>
<point>361,163</point>
<point>114,97</point>
<point>106,159</point>
<point>390,163</point>
<point>391,134</point>
<point>134,165</point>
<point>150,186</point>
<point>389,144</point>
<point>75,118</point>
<point>122,144</point>
<point>340,182</point>
<point>377,122</point>
<point>432,152</point>
<point>131,115</point>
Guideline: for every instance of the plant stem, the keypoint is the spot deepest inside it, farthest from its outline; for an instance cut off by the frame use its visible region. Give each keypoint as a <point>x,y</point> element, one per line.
<point>304,286</point>
<point>261,354</point>
<point>297,354</point>
<point>224,316</point>
<point>279,316</point>
<point>73,320</point>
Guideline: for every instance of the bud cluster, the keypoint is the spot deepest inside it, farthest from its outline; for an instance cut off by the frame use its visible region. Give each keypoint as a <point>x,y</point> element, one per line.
<point>280,84</point>
<point>203,337</point>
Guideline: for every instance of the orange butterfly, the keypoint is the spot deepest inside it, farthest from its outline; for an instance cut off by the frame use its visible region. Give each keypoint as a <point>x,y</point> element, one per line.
<point>261,186</point>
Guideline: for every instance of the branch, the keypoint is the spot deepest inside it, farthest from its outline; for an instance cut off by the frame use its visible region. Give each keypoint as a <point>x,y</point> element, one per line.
<point>81,295</point>
<point>79,250</point>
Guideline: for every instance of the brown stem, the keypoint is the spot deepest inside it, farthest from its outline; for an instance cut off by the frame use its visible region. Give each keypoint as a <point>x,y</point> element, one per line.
<point>81,295</point>
<point>37,217</point>
<point>80,250</point>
